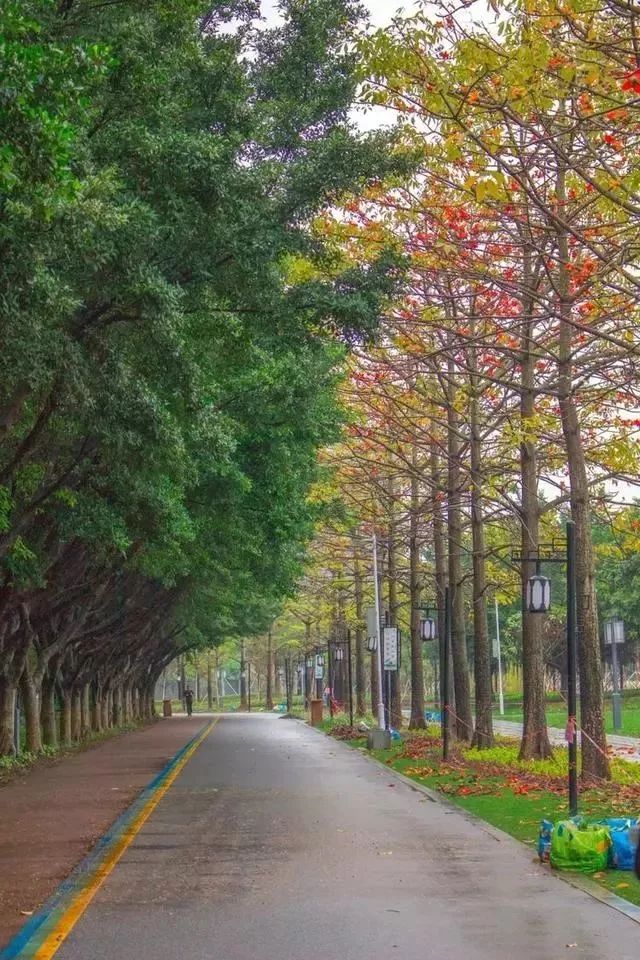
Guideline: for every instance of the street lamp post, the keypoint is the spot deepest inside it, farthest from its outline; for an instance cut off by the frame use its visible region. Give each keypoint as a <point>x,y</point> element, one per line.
<point>378,647</point>
<point>613,635</point>
<point>428,626</point>
<point>538,600</point>
<point>336,652</point>
<point>309,680</point>
<point>429,631</point>
<point>350,678</point>
<point>319,673</point>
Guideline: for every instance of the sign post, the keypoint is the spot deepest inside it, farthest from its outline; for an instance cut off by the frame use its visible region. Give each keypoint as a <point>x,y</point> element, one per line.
<point>390,649</point>
<point>391,663</point>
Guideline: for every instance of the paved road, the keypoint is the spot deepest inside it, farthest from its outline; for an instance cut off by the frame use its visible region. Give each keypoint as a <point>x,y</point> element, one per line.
<point>276,843</point>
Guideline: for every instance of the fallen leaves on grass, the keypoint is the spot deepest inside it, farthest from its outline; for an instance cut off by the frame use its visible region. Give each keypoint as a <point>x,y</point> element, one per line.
<point>420,772</point>
<point>468,789</point>
<point>342,731</point>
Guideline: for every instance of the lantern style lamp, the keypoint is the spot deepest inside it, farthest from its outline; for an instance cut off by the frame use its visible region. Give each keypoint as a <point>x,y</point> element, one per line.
<point>319,660</point>
<point>538,594</point>
<point>427,629</point>
<point>310,662</point>
<point>372,644</point>
<point>339,655</point>
<point>614,631</point>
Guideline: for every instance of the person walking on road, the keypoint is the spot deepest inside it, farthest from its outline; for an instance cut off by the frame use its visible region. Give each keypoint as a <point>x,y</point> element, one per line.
<point>188,700</point>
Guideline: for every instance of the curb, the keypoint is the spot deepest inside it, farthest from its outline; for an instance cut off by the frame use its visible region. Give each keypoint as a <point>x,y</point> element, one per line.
<point>29,938</point>
<point>578,881</point>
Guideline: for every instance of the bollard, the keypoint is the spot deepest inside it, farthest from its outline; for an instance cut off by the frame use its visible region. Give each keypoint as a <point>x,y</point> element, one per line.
<point>316,712</point>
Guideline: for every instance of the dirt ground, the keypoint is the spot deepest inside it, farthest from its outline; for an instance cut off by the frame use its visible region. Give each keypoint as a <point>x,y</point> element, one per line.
<point>52,814</point>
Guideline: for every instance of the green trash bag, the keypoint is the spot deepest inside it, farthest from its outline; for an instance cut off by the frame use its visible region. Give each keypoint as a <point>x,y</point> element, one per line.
<point>580,846</point>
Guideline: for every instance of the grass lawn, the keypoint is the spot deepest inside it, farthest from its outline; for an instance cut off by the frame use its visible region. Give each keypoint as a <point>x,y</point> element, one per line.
<point>511,794</point>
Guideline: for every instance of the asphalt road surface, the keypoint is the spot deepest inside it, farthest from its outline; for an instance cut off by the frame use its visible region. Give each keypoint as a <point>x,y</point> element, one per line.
<point>275,843</point>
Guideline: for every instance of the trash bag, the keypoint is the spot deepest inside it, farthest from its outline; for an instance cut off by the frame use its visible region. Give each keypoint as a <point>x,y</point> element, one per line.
<point>544,840</point>
<point>394,734</point>
<point>622,853</point>
<point>580,846</point>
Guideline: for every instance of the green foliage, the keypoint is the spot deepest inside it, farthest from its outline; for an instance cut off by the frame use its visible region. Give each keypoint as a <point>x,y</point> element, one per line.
<point>164,386</point>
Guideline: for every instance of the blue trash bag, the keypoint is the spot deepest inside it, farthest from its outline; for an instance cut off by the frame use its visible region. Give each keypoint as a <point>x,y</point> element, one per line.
<point>433,716</point>
<point>394,734</point>
<point>622,853</point>
<point>544,840</point>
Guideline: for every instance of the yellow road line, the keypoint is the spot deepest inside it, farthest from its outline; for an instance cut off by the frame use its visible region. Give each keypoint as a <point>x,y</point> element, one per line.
<point>56,937</point>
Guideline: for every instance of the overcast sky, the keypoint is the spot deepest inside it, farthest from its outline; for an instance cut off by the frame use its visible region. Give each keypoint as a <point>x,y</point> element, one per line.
<point>381,10</point>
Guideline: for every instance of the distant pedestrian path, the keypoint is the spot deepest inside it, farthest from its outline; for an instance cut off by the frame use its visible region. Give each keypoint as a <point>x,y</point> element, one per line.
<point>627,748</point>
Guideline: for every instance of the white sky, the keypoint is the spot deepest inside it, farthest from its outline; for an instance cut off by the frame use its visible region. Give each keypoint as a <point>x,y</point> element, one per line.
<point>381,10</point>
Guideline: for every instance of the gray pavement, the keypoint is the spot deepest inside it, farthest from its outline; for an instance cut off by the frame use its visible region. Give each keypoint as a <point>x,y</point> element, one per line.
<point>276,843</point>
<point>628,748</point>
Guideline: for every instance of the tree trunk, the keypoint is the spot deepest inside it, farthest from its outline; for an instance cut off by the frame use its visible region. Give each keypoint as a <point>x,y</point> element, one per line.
<point>440,557</point>
<point>483,733</point>
<point>126,703</point>
<point>117,707</point>
<point>96,715</point>
<point>417,720</point>
<point>209,683</point>
<point>30,686</point>
<point>595,761</point>
<point>105,712</point>
<point>395,711</point>
<point>76,714</point>
<point>269,692</point>
<point>277,684</point>
<point>86,710</point>
<point>183,680</point>
<point>243,678</point>
<point>65,718</point>
<point>535,738</point>
<point>152,701</point>
<point>7,716</point>
<point>48,712</point>
<point>464,718</point>
<point>361,707</point>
